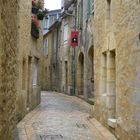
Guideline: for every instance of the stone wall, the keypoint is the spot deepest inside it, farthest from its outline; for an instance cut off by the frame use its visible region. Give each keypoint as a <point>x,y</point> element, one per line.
<point>66,56</point>
<point>85,73</point>
<point>29,57</point>
<point>18,55</point>
<point>46,64</point>
<point>51,67</point>
<point>8,68</point>
<point>116,45</point>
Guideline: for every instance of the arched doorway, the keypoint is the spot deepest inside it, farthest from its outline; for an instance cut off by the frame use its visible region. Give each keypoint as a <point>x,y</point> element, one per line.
<point>80,74</point>
<point>91,71</point>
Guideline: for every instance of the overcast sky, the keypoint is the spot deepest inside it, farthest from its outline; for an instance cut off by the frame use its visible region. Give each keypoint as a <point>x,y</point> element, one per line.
<point>53,4</point>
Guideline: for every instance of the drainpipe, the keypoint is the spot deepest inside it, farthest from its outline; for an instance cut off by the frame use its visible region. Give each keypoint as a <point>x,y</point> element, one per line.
<point>57,70</point>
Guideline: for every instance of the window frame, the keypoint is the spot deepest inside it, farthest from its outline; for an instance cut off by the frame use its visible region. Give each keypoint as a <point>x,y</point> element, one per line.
<point>66,33</point>
<point>46,47</point>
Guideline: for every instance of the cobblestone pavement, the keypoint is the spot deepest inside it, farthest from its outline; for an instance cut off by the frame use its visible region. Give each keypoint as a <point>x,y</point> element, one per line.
<point>58,117</point>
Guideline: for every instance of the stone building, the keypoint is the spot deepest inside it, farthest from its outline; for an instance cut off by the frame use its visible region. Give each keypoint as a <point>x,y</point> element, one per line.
<point>46,62</point>
<point>20,57</point>
<point>117,66</point>
<point>78,69</point>
<point>8,68</point>
<point>51,18</point>
<point>67,59</point>
<point>106,62</point>
<point>78,80</point>
<point>85,50</point>
<point>29,61</point>
<point>51,73</point>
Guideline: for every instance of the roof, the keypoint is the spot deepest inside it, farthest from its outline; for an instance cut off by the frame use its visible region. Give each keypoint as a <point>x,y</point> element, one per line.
<point>54,11</point>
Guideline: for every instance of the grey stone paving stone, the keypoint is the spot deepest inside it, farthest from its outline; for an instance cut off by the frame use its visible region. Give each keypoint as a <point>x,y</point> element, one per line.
<point>58,117</point>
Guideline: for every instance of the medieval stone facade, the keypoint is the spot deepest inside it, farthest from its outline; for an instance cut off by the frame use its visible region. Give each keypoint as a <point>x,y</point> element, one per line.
<point>8,68</point>
<point>46,71</point>
<point>66,55</point>
<point>29,61</point>
<point>106,62</point>
<point>75,73</point>
<point>51,65</point>
<point>85,50</point>
<point>116,54</point>
<point>20,59</point>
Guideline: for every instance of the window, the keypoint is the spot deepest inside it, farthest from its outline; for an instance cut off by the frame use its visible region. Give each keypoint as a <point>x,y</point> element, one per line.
<point>52,19</point>
<point>46,47</point>
<point>108,80</point>
<point>112,84</point>
<point>65,33</point>
<point>45,23</point>
<point>35,72</point>
<point>91,6</point>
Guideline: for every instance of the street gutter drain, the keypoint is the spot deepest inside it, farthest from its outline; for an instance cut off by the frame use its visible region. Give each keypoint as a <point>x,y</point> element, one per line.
<point>51,137</point>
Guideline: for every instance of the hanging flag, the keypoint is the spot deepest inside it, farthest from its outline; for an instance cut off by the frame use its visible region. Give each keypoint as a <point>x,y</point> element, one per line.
<point>74,39</point>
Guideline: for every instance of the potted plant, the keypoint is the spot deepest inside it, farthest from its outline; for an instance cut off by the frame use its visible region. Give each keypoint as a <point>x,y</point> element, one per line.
<point>36,6</point>
<point>40,15</point>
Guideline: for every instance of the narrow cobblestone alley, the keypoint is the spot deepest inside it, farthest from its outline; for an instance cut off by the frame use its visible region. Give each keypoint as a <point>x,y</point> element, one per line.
<point>58,117</point>
<point>69,69</point>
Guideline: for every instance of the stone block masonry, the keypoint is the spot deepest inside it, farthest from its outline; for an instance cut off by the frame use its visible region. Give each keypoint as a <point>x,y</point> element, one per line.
<point>117,56</point>
<point>8,68</point>
<point>20,59</point>
<point>29,62</point>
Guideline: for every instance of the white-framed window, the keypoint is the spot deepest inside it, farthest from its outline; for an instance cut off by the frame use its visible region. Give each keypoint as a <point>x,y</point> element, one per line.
<point>65,33</point>
<point>44,23</point>
<point>46,47</point>
<point>90,8</point>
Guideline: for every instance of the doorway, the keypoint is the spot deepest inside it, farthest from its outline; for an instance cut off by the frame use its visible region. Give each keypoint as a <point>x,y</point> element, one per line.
<point>80,74</point>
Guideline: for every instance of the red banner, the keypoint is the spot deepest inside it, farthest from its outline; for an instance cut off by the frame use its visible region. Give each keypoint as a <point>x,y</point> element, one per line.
<point>74,39</point>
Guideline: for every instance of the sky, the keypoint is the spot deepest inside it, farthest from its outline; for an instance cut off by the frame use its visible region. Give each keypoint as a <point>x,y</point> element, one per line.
<point>52,4</point>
